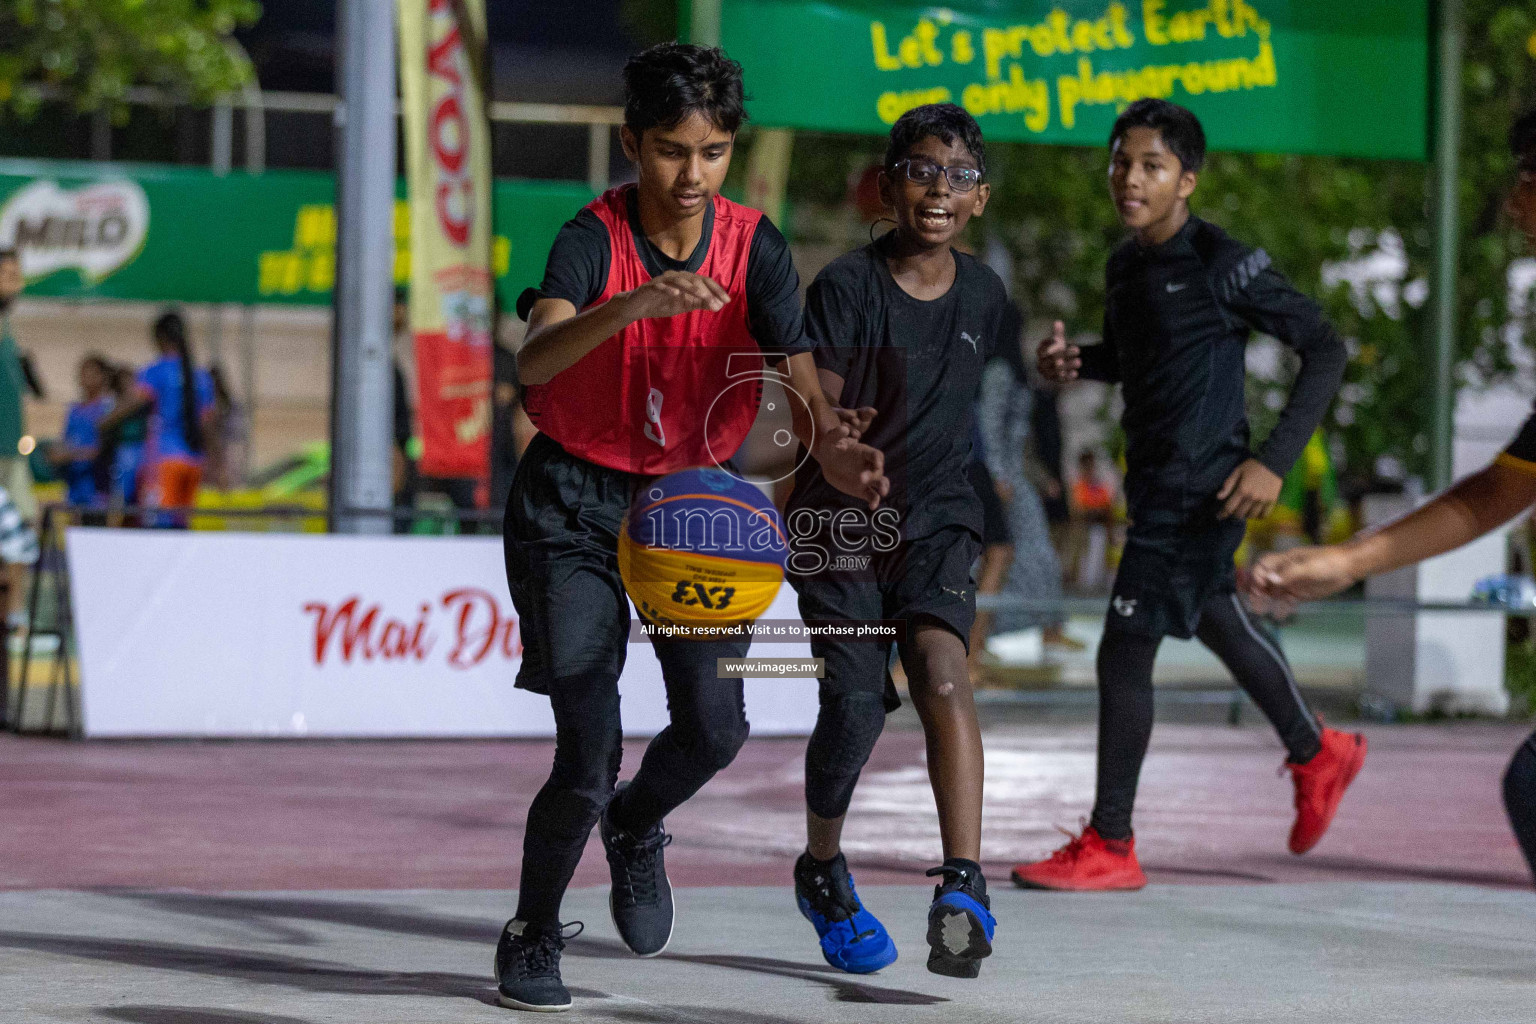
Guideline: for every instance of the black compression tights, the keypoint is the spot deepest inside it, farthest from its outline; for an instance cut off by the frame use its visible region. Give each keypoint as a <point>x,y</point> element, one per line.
<point>1520,797</point>
<point>708,727</point>
<point>1125,701</point>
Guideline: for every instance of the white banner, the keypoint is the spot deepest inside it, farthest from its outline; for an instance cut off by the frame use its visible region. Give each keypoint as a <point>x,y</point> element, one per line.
<point>227,634</point>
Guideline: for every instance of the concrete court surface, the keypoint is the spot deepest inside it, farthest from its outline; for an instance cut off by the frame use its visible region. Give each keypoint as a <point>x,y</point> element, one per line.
<point>234,883</point>
<point>1366,953</point>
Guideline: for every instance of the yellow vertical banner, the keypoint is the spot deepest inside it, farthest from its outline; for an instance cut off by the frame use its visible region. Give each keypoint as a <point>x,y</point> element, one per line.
<point>448,177</point>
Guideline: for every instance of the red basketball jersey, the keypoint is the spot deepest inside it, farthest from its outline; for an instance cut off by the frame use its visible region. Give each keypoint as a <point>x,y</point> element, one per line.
<point>663,394</point>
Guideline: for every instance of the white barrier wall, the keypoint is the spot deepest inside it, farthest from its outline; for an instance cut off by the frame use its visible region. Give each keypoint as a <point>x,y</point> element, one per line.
<point>227,634</point>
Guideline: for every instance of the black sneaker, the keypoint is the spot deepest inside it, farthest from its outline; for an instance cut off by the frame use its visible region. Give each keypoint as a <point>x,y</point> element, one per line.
<point>641,898</point>
<point>960,921</point>
<point>528,967</point>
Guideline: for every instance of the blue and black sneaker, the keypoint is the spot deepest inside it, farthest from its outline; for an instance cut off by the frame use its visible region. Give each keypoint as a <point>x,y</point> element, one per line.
<point>852,939</point>
<point>960,921</point>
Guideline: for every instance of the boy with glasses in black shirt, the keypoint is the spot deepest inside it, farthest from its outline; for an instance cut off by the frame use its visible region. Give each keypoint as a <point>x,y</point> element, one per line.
<point>903,325</point>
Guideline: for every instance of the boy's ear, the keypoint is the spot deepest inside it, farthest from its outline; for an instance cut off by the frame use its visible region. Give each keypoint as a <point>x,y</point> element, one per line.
<point>630,143</point>
<point>887,189</point>
<point>1188,181</point>
<point>983,195</point>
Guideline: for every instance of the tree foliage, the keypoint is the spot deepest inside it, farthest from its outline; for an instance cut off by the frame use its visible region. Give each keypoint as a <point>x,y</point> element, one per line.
<point>93,51</point>
<point>1050,206</point>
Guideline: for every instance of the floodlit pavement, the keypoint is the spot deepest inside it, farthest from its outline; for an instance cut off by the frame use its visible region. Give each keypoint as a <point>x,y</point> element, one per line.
<point>177,883</point>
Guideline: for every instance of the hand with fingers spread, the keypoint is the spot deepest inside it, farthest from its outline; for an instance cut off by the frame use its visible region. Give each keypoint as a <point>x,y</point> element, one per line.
<point>1057,358</point>
<point>1249,492</point>
<point>673,293</point>
<point>855,469</point>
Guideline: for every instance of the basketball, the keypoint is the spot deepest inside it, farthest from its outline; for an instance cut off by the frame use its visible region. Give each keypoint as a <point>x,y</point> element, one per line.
<point>702,548</point>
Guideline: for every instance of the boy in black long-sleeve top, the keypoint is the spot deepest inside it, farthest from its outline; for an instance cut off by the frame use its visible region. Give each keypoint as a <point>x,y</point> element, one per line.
<point>1182,299</point>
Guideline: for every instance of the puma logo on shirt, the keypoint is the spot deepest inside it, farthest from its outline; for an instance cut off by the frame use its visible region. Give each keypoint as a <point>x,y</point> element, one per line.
<point>967,337</point>
<point>1177,286</point>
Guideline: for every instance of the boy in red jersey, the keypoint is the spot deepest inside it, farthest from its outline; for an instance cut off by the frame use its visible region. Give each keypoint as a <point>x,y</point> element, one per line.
<point>648,294</point>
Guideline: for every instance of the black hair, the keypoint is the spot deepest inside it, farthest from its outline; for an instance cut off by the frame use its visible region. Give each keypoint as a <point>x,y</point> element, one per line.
<point>943,121</point>
<point>9,253</point>
<point>1522,139</point>
<point>100,362</point>
<point>668,83</point>
<point>1179,127</point>
<point>171,330</point>
<point>221,392</point>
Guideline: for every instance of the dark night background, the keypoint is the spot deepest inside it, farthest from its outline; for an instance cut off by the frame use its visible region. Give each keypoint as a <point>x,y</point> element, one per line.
<point>544,52</point>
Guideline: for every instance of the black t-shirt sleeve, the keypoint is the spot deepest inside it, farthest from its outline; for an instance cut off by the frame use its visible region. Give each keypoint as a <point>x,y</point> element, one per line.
<point>773,294</point>
<point>1263,299</point>
<point>834,323</point>
<point>577,269</point>
<point>1007,324</point>
<point>1521,453</point>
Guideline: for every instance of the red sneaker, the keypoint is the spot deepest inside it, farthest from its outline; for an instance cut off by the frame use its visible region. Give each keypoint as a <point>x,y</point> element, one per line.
<point>1089,863</point>
<point>1320,785</point>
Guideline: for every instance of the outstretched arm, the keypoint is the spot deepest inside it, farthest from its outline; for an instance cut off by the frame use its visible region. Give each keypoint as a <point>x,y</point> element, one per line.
<point>1482,502</point>
<point>831,434</point>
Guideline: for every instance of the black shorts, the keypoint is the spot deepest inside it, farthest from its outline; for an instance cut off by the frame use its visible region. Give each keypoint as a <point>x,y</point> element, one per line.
<point>561,539</point>
<point>924,580</point>
<point>1173,563</point>
<point>994,518</point>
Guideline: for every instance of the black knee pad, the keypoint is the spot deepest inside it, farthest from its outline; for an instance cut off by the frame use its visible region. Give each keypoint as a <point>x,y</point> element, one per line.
<point>846,731</point>
<point>585,771</point>
<point>718,748</point>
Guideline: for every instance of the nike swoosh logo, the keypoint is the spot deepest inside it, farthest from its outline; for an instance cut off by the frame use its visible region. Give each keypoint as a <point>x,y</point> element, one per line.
<point>1177,286</point>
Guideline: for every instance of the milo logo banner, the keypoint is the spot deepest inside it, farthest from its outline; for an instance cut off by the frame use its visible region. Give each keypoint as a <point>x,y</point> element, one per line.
<point>184,234</point>
<point>1289,76</point>
<point>95,229</point>
<point>448,174</point>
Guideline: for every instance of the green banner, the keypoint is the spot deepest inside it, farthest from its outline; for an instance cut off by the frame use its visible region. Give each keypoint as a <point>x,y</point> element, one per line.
<point>179,234</point>
<point>1341,77</point>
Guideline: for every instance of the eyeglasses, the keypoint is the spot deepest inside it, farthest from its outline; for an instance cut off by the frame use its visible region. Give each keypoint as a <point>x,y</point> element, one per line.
<point>926,172</point>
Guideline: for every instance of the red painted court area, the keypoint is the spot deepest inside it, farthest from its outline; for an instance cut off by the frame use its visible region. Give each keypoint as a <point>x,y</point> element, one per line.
<point>448,815</point>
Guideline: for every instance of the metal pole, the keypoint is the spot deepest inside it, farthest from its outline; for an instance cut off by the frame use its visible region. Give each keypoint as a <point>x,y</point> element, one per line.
<point>598,136</point>
<point>101,136</point>
<point>222,157</point>
<point>361,386</point>
<point>704,27</point>
<point>1451,46</point>
<point>248,372</point>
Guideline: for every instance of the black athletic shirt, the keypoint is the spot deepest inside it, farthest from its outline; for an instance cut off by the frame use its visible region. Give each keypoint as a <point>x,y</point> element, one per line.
<point>918,364</point>
<point>1176,326</point>
<point>577,271</point>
